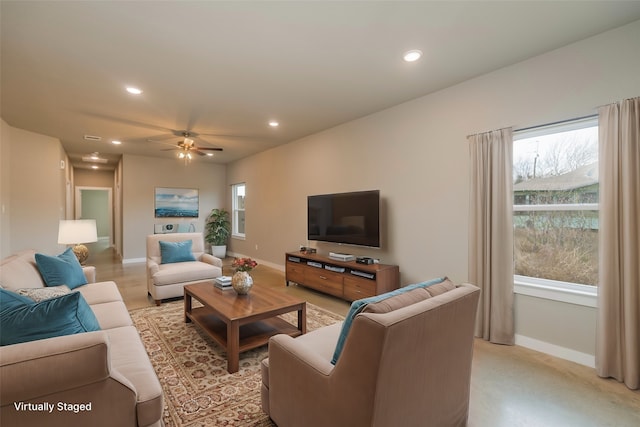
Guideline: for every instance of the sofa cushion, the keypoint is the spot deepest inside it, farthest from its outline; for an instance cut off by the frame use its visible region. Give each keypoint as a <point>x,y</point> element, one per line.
<point>440,288</point>
<point>64,315</point>
<point>100,292</point>
<point>358,305</point>
<point>129,357</point>
<point>171,252</point>
<point>402,300</point>
<point>63,269</point>
<point>41,294</point>
<point>112,314</point>
<point>169,274</point>
<point>20,271</point>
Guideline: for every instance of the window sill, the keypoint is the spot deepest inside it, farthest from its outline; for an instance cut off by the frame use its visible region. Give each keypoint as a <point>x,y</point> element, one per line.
<point>238,236</point>
<point>557,291</point>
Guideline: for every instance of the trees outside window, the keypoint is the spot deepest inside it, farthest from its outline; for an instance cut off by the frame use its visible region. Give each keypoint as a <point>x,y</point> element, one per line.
<point>555,173</point>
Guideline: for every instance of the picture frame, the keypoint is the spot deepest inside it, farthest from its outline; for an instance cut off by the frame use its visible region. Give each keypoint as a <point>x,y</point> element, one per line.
<point>176,202</point>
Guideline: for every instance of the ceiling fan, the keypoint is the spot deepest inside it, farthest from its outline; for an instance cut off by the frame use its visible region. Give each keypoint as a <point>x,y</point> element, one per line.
<point>187,145</point>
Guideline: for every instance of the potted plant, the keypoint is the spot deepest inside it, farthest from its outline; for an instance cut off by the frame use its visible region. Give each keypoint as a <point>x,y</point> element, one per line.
<point>217,231</point>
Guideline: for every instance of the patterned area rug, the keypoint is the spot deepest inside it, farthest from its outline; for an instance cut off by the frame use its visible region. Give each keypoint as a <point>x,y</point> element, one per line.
<point>198,390</point>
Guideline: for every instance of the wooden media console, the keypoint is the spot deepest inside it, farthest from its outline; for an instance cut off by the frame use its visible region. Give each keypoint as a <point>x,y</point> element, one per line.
<point>348,280</point>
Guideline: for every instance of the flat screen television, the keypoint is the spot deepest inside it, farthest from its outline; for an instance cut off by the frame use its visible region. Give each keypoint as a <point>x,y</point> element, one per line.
<point>345,218</point>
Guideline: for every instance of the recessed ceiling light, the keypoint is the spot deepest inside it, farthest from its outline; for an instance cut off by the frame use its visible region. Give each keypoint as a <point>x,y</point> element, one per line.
<point>94,167</point>
<point>274,124</point>
<point>210,154</point>
<point>412,55</point>
<point>134,90</point>
<point>116,142</point>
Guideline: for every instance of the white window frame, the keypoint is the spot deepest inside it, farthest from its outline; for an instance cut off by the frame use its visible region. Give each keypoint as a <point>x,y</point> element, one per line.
<point>573,293</point>
<point>235,211</point>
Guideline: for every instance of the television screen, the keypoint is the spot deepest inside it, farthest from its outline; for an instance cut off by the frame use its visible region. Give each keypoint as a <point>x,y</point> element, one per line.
<point>347,218</point>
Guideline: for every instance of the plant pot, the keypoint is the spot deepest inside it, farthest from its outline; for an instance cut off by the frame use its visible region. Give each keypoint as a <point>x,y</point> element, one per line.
<point>219,251</point>
<point>241,282</point>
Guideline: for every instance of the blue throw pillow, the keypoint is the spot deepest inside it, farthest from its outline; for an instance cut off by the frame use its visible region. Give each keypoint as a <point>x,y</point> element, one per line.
<point>10,300</point>
<point>64,269</point>
<point>358,305</point>
<point>176,252</point>
<point>65,315</point>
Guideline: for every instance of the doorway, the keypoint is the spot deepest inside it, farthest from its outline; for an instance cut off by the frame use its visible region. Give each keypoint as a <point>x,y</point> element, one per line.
<point>96,203</point>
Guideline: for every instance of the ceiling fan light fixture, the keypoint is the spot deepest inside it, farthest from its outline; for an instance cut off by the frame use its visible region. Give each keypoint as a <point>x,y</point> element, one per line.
<point>116,142</point>
<point>94,158</point>
<point>210,154</point>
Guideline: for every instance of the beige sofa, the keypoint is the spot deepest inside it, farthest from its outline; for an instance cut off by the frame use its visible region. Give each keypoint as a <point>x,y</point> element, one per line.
<point>168,280</point>
<point>404,363</point>
<point>109,369</point>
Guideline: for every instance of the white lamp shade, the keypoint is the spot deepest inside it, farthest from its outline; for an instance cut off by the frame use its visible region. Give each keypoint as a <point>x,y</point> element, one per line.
<point>73,232</point>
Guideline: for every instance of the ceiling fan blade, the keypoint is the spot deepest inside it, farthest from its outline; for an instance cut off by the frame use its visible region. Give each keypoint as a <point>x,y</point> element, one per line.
<point>210,149</point>
<point>159,138</point>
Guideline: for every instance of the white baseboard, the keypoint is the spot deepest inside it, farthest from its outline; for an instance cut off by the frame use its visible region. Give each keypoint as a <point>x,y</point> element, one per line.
<point>557,351</point>
<point>133,260</point>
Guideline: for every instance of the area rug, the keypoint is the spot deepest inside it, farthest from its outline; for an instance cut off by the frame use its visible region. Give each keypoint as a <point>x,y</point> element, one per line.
<point>192,368</point>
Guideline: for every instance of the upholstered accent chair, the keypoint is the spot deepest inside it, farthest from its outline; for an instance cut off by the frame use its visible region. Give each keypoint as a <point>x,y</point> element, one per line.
<point>175,260</point>
<point>410,366</point>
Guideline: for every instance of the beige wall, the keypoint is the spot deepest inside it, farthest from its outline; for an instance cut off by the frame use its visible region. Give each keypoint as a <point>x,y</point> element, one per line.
<point>5,176</point>
<point>33,191</point>
<point>140,177</point>
<point>93,178</point>
<point>416,155</point>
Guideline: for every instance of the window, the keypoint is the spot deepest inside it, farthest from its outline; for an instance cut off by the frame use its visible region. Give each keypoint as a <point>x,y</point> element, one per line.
<point>238,210</point>
<point>555,196</point>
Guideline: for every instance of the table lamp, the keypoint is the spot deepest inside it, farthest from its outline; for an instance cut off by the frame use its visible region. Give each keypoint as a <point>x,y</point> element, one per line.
<point>76,232</point>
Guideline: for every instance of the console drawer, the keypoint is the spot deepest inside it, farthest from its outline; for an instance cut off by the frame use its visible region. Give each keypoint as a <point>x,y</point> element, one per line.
<point>295,272</point>
<point>356,288</point>
<point>323,280</point>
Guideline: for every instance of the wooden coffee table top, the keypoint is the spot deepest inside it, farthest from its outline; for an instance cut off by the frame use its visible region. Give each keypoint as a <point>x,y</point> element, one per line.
<point>231,306</point>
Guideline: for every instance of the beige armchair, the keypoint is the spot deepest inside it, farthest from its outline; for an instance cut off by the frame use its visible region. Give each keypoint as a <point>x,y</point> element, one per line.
<point>168,280</point>
<point>407,367</point>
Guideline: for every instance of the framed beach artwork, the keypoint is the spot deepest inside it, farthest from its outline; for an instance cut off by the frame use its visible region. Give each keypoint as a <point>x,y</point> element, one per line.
<point>176,202</point>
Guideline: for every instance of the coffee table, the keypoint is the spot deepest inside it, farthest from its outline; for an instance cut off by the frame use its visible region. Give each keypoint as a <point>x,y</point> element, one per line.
<point>242,322</point>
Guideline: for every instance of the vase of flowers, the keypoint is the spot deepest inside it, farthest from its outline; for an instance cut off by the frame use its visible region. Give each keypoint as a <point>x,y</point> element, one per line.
<point>241,280</point>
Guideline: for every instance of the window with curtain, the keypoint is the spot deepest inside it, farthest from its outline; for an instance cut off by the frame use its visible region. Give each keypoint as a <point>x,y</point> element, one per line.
<point>555,205</point>
<point>238,225</point>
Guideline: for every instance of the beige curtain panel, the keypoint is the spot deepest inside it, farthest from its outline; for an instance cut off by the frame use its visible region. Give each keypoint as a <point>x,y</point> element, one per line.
<point>618,330</point>
<point>491,233</point>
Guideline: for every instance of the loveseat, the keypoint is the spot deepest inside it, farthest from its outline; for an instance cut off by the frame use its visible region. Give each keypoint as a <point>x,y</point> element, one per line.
<point>167,275</point>
<point>400,359</point>
<point>100,378</point>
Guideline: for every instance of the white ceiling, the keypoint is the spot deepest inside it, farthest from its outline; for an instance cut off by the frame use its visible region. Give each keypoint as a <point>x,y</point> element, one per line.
<point>227,68</point>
